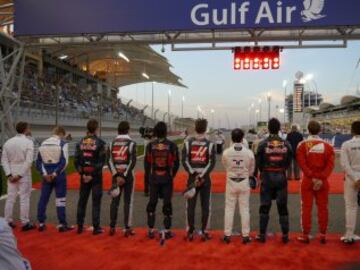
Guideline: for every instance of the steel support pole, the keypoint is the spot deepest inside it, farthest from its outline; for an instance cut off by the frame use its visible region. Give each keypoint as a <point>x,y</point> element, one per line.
<point>19,86</point>
<point>156,111</point>
<point>182,108</point>
<point>100,113</point>
<point>152,100</point>
<point>169,118</point>
<point>57,92</point>
<point>285,105</point>
<point>11,77</point>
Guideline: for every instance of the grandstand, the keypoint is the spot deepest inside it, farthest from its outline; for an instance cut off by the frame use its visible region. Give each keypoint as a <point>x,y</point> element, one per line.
<point>310,100</point>
<point>337,118</point>
<point>71,85</point>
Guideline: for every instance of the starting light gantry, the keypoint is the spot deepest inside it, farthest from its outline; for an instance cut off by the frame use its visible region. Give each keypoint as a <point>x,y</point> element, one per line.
<point>256,58</point>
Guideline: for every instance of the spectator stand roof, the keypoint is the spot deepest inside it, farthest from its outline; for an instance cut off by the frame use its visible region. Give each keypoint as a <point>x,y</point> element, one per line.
<point>349,99</point>
<point>326,105</point>
<point>104,61</point>
<point>311,109</point>
<point>345,102</point>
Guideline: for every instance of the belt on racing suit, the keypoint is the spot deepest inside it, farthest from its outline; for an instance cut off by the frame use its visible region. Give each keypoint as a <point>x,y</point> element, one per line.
<point>160,171</point>
<point>199,170</point>
<point>270,169</point>
<point>237,180</point>
<point>88,169</point>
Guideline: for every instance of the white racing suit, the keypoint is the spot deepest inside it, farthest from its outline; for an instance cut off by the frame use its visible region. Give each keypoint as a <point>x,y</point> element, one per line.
<point>350,161</point>
<point>17,158</point>
<point>239,163</point>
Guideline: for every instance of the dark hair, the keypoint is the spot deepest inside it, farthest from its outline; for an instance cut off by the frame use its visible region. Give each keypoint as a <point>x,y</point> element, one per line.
<point>123,127</point>
<point>21,127</point>
<point>160,130</point>
<point>92,125</point>
<point>314,127</point>
<point>237,135</point>
<point>59,130</point>
<point>355,128</point>
<point>274,126</point>
<point>201,125</point>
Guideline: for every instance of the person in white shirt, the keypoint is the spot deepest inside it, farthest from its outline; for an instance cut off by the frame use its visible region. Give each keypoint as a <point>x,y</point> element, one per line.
<point>17,159</point>
<point>239,163</point>
<point>350,161</point>
<point>250,137</point>
<point>219,142</point>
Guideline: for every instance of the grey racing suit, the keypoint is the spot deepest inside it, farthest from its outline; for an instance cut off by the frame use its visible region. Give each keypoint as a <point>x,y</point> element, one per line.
<point>198,159</point>
<point>122,161</point>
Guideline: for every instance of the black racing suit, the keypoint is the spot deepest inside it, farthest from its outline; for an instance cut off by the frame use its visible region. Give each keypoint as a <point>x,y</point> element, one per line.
<point>198,159</point>
<point>146,177</point>
<point>122,160</point>
<point>161,164</point>
<point>90,157</point>
<point>273,158</point>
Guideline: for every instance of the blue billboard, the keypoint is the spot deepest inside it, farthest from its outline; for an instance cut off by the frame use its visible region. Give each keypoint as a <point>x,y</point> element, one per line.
<point>74,17</point>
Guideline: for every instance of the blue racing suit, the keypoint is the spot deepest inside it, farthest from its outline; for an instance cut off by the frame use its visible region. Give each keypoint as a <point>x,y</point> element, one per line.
<point>52,159</point>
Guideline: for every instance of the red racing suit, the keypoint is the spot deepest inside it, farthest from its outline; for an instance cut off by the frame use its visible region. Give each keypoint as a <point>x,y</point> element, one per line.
<point>316,158</point>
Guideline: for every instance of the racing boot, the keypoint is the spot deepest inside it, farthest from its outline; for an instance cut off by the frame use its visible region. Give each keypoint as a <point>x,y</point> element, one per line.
<point>205,236</point>
<point>227,239</point>
<point>285,238</point>
<point>261,238</point>
<point>28,226</point>
<point>169,235</point>
<point>151,234</point>
<point>112,231</point>
<point>97,230</point>
<point>323,239</point>
<point>246,240</point>
<point>304,239</point>
<point>80,229</point>
<point>348,241</point>
<point>42,227</point>
<point>65,228</point>
<point>189,236</point>
<point>129,232</point>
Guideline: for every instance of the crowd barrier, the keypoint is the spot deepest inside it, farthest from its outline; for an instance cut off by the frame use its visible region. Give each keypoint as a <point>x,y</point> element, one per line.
<point>336,139</point>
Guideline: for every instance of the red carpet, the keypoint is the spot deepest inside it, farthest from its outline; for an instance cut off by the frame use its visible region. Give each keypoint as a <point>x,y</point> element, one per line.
<point>55,251</point>
<point>218,180</point>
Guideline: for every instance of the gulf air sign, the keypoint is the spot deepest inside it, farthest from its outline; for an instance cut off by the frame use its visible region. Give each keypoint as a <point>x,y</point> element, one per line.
<point>266,12</point>
<point>74,17</point>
